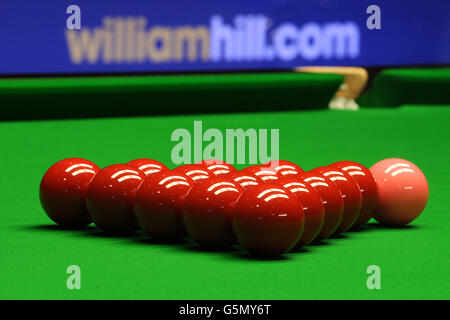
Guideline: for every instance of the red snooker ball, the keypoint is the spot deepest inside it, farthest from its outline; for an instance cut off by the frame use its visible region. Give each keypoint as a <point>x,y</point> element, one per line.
<point>148,166</point>
<point>367,186</point>
<point>402,190</point>
<point>196,172</point>
<point>218,167</point>
<point>63,191</point>
<point>267,174</point>
<point>331,199</point>
<point>285,168</point>
<point>110,198</point>
<point>159,205</point>
<point>268,220</point>
<point>312,207</point>
<point>245,179</point>
<point>350,194</point>
<point>209,209</point>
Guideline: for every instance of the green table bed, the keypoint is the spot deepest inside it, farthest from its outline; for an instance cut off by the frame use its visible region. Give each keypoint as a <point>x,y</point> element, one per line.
<point>35,253</point>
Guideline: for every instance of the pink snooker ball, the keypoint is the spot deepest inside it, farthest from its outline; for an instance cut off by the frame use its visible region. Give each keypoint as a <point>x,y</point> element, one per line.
<point>402,191</point>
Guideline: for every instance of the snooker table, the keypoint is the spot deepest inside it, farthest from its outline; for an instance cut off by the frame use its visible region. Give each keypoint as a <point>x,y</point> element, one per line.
<point>414,260</point>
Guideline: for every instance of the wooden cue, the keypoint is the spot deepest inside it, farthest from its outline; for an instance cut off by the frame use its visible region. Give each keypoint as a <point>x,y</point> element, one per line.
<point>355,79</point>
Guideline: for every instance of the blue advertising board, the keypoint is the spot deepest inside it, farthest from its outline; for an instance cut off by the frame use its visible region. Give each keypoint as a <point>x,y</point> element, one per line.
<point>148,36</point>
